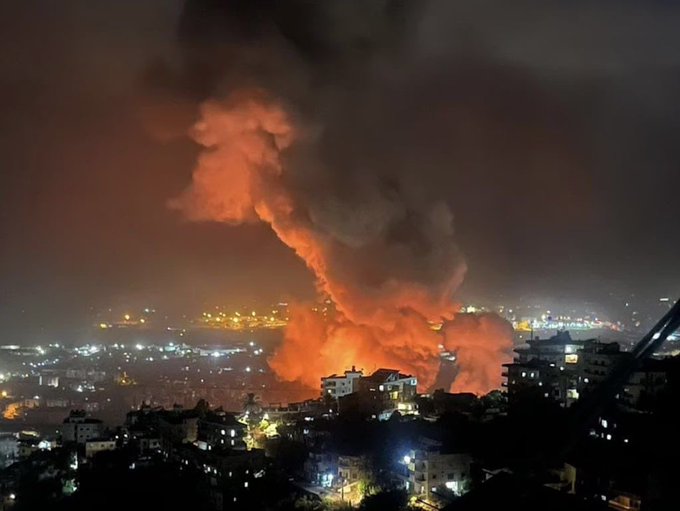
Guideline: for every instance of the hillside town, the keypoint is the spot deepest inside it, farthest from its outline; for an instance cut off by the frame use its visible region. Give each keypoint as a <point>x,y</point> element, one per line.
<point>368,438</point>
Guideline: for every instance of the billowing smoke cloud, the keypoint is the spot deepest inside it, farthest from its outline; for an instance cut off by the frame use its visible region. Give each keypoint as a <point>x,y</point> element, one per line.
<point>480,342</point>
<point>309,135</point>
<point>388,262</point>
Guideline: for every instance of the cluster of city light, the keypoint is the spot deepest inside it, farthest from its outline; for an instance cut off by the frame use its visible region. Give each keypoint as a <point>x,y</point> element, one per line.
<point>546,322</point>
<point>128,320</point>
<point>246,321</point>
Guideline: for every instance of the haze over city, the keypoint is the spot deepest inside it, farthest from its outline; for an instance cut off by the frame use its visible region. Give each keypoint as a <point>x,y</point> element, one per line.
<point>222,221</point>
<point>548,139</point>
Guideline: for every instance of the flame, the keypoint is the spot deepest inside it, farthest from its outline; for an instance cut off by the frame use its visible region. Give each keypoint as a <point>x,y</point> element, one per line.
<point>385,309</point>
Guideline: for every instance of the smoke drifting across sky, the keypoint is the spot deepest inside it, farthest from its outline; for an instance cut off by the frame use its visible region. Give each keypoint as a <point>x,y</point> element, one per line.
<point>318,158</point>
<point>305,164</point>
<point>548,129</point>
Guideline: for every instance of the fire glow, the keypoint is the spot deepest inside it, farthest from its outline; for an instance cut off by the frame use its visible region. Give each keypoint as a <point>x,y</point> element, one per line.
<point>388,262</point>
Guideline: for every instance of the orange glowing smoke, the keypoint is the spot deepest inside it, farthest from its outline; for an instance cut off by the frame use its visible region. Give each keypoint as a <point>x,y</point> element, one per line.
<point>482,343</point>
<point>386,286</point>
<point>314,347</point>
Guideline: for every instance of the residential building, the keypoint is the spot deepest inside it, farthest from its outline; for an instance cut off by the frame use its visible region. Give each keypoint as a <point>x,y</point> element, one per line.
<point>380,395</point>
<point>560,349</point>
<point>543,378</point>
<point>597,360</point>
<point>230,473</point>
<point>562,369</point>
<point>396,387</point>
<point>97,445</point>
<point>337,386</point>
<point>556,368</point>
<point>351,471</point>
<point>9,449</point>
<point>48,378</point>
<point>645,383</point>
<point>80,428</point>
<point>221,429</point>
<point>321,467</point>
<point>429,470</point>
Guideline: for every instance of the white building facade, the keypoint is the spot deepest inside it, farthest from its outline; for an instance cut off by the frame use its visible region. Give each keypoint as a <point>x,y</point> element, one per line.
<point>337,386</point>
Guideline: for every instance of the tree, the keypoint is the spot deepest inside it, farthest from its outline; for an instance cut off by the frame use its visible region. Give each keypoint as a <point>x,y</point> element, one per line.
<point>392,500</point>
<point>202,407</point>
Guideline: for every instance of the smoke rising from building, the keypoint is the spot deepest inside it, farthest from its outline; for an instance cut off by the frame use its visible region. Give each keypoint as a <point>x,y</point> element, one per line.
<point>326,161</point>
<point>389,263</point>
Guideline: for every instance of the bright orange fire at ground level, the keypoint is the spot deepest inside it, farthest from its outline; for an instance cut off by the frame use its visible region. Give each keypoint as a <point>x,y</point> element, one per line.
<point>314,347</point>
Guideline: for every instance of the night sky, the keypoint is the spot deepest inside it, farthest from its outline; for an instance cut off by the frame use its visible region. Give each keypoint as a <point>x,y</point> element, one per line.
<point>550,129</point>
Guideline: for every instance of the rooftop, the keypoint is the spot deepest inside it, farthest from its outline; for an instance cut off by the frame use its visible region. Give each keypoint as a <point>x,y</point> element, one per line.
<point>384,375</point>
<point>560,339</point>
<point>531,364</point>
